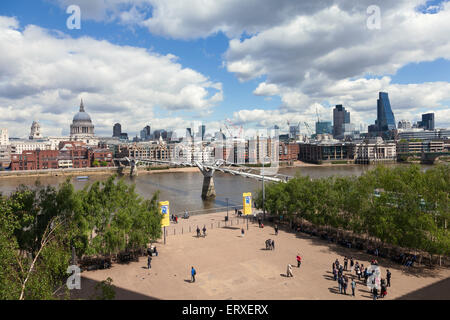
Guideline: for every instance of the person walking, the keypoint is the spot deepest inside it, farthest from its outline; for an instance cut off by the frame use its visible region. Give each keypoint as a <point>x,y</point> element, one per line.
<point>388,277</point>
<point>358,272</point>
<point>340,281</point>
<point>273,244</point>
<point>353,284</point>
<point>149,262</point>
<point>299,260</point>
<point>345,263</point>
<point>337,263</point>
<point>242,232</point>
<point>204,231</point>
<point>289,270</point>
<point>198,232</point>
<point>352,263</point>
<point>375,293</point>
<point>334,274</point>
<point>193,273</point>
<point>276,230</point>
<point>345,284</point>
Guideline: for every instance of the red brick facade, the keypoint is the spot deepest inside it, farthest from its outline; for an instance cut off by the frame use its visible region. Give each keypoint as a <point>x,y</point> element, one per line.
<point>71,155</point>
<point>289,151</point>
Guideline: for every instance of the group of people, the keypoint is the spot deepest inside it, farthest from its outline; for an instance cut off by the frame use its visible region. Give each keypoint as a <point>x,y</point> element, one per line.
<point>204,231</point>
<point>362,273</point>
<point>174,217</point>
<point>289,266</point>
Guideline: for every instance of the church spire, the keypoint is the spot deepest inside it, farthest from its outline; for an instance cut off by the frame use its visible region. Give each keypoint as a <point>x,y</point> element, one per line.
<point>81,106</point>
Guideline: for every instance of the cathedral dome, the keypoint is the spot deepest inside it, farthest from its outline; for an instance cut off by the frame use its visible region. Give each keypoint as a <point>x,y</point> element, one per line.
<point>82,124</point>
<point>82,116</point>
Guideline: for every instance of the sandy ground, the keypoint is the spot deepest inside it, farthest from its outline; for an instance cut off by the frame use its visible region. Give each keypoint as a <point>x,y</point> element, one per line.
<point>233,267</point>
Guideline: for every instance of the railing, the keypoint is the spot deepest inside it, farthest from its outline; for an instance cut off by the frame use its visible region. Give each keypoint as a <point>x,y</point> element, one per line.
<point>174,230</point>
<point>231,209</point>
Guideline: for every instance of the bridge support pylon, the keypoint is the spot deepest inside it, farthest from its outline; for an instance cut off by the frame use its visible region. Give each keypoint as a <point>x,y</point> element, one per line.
<point>208,190</point>
<point>133,169</point>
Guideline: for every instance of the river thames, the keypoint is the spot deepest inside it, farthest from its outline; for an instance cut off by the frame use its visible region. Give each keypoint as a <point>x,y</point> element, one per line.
<point>183,189</point>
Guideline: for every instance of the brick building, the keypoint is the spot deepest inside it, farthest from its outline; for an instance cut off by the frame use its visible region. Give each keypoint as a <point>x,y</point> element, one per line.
<point>289,151</point>
<point>35,160</point>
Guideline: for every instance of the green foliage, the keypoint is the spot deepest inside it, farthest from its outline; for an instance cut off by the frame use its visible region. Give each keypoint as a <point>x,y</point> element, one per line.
<point>106,289</point>
<point>411,208</point>
<point>42,224</point>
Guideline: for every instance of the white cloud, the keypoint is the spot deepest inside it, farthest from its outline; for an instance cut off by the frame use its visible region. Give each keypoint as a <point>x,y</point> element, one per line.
<point>325,57</point>
<point>43,75</point>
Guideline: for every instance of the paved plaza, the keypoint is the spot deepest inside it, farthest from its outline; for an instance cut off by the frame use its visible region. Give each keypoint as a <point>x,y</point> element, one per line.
<point>233,267</point>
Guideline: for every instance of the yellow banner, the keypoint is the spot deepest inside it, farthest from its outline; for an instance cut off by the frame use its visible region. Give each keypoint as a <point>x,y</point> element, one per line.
<point>247,198</point>
<point>164,210</point>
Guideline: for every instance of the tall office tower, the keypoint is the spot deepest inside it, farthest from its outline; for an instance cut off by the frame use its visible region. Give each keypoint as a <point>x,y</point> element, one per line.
<point>148,131</point>
<point>156,134</point>
<point>340,117</point>
<point>294,131</point>
<point>404,124</point>
<point>427,121</point>
<point>117,130</point>
<point>188,133</point>
<point>385,116</point>
<point>323,127</point>
<point>201,131</point>
<point>143,135</point>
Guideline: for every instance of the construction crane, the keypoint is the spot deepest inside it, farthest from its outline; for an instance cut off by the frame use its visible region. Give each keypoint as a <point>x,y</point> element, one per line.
<point>229,131</point>
<point>239,129</point>
<point>308,128</point>
<point>317,113</point>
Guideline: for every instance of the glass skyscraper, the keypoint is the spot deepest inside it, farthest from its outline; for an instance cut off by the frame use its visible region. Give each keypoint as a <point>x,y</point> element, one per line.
<point>323,127</point>
<point>427,121</point>
<point>385,116</point>
<point>340,117</point>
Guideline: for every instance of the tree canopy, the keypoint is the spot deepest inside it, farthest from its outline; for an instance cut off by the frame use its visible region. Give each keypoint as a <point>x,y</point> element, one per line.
<point>39,226</point>
<point>404,206</point>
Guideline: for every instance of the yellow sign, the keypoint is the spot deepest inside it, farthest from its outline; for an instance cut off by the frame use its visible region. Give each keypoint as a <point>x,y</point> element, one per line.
<point>247,198</point>
<point>164,210</point>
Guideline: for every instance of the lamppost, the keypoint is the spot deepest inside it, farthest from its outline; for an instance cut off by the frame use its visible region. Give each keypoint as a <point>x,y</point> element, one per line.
<point>227,209</point>
<point>263,190</point>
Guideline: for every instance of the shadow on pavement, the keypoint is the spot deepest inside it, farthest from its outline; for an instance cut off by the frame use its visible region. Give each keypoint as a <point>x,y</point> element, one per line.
<point>87,292</point>
<point>436,291</point>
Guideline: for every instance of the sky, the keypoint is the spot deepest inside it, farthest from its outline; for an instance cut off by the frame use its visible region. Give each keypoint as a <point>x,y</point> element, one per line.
<point>255,63</point>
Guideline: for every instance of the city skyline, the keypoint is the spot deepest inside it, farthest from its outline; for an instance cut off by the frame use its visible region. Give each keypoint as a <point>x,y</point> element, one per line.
<point>132,66</point>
